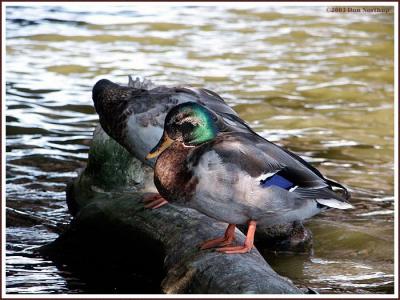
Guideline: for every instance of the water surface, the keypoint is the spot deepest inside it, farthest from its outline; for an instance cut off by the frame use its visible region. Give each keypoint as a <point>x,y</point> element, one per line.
<point>319,83</point>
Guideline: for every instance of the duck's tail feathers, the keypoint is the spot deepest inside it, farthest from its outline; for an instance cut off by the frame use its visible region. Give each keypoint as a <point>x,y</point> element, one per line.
<point>334,203</point>
<point>345,192</point>
<point>324,196</point>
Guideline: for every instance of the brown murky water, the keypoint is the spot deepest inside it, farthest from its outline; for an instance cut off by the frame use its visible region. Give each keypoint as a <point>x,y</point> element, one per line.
<point>319,83</point>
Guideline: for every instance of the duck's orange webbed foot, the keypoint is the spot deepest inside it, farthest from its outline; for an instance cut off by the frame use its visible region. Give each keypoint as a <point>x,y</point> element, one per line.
<point>235,249</point>
<point>248,244</point>
<point>154,201</point>
<point>227,239</point>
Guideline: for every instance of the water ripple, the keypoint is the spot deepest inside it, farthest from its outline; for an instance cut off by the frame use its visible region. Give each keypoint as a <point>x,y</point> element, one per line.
<point>318,83</point>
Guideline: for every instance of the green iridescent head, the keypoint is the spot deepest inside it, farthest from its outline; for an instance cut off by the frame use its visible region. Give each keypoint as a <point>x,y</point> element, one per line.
<point>191,123</point>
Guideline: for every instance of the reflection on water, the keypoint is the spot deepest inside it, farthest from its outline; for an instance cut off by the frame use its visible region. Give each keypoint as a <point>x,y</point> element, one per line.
<point>319,83</point>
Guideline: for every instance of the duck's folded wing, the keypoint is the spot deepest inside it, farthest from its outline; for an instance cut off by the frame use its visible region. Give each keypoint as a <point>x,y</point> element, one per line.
<point>270,165</point>
<point>302,174</point>
<point>258,157</point>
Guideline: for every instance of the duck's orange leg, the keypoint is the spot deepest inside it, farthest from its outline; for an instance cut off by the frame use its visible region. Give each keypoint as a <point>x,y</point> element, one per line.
<point>154,201</point>
<point>227,239</point>
<point>248,243</point>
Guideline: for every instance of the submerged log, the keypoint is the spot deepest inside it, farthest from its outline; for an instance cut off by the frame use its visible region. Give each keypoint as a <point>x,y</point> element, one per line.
<point>106,200</point>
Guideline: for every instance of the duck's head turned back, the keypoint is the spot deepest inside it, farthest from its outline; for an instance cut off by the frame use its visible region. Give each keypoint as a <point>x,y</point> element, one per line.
<point>106,92</point>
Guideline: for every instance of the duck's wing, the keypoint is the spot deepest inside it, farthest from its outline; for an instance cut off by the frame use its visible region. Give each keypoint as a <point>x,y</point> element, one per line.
<point>330,182</point>
<point>269,165</point>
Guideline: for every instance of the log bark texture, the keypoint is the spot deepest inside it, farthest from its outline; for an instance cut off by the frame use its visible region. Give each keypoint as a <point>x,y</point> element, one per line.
<point>106,200</point>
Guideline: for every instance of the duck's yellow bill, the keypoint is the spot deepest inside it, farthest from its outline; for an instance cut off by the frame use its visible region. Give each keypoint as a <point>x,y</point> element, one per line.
<point>163,144</point>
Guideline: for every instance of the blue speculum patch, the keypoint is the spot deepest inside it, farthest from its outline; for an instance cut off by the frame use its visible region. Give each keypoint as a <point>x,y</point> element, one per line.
<point>277,180</point>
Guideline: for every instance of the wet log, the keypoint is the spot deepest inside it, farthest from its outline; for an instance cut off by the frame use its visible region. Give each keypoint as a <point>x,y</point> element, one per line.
<point>106,200</point>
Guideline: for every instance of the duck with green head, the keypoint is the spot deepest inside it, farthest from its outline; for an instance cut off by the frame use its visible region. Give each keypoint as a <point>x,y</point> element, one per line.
<point>133,115</point>
<point>236,177</point>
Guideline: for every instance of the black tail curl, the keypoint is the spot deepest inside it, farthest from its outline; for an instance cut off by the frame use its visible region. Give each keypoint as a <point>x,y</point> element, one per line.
<point>345,192</point>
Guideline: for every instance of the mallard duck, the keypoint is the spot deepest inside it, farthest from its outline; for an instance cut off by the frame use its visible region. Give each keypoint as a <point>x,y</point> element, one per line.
<point>236,177</point>
<point>133,115</point>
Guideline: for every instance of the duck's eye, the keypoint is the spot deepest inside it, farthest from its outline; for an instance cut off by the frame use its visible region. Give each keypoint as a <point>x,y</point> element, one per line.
<point>186,127</point>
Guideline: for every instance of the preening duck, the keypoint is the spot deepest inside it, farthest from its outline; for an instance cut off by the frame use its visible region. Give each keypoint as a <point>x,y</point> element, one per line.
<point>236,177</point>
<point>134,115</point>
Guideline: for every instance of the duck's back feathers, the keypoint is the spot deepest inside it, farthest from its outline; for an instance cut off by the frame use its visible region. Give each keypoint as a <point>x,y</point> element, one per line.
<point>207,98</point>
<point>204,96</point>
